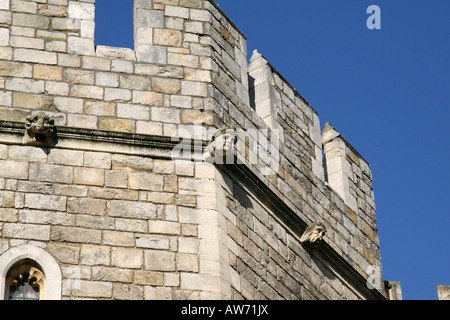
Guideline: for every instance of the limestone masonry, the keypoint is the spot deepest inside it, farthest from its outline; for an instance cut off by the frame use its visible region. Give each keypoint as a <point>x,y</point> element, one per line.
<point>106,190</point>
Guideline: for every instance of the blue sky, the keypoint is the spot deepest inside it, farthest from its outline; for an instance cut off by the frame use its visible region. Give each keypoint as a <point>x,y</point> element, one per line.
<point>386,91</point>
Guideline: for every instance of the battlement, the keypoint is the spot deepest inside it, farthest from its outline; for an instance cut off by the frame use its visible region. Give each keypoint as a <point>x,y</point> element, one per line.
<point>201,230</point>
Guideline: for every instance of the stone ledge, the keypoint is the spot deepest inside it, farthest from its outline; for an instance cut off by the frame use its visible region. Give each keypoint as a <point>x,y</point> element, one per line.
<point>159,147</point>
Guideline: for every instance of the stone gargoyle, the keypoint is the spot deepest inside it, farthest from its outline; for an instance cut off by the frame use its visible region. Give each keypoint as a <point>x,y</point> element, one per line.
<point>39,130</point>
<point>220,149</point>
<point>313,235</point>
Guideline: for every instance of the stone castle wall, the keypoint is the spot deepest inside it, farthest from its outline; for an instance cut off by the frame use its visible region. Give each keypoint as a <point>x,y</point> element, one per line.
<point>111,201</point>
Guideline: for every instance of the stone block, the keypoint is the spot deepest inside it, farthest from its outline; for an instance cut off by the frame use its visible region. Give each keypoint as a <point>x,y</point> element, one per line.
<point>79,76</point>
<point>86,206</point>
<point>148,98</point>
<point>112,274</point>
<point>163,85</point>
<point>119,239</point>
<point>149,278</point>
<point>150,128</point>
<point>92,289</point>
<point>134,82</point>
<point>191,88</point>
<point>57,88</point>
<point>175,11</point>
<point>77,235</point>
<point>6,99</point>
<point>157,260</point>
<point>187,262</point>
<point>164,227</point>
<point>165,115</point>
<point>193,281</point>
<point>65,157</point>
<point>81,10</point>
<point>64,253</point>
<point>97,160</point>
<point>131,163</point>
<point>45,202</point>
<point>95,255</point>
<point>32,101</point>
<point>8,214</point>
<point>66,24</point>
<point>15,69</point>
<point>145,181</point>
<point>96,63</point>
<point>31,20</point>
<point>188,245</point>
<point>148,18</point>
<point>118,53</point>
<point>130,209</point>
<point>69,105</point>
<point>36,56</point>
<point>133,111</point>
<point>87,92</point>
<point>153,242</point>
<point>161,197</point>
<point>123,66</point>
<point>114,124</point>
<point>167,37</point>
<point>4,4</point>
<point>47,72</point>
<point>106,79</point>
<point>89,176</point>
<point>185,60</point>
<point>51,173</point>
<point>23,42</point>
<point>46,217</point>
<point>116,179</point>
<point>144,35</point>
<point>151,53</point>
<point>127,292</point>
<point>26,231</point>
<point>35,187</point>
<point>195,4</point>
<point>80,46</point>
<point>82,121</point>
<point>127,258</point>
<point>24,153</point>
<point>100,108</point>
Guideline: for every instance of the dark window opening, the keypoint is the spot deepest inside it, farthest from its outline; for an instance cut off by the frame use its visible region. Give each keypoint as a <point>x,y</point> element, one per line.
<point>25,289</point>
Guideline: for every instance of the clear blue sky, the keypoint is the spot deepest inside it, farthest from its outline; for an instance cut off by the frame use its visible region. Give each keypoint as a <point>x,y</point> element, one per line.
<point>386,91</point>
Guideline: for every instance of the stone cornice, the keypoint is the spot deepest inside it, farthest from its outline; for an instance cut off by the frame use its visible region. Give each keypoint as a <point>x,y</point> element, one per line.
<point>108,141</point>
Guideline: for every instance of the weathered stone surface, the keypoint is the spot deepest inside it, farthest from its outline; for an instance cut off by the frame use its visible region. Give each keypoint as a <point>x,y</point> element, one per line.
<point>127,258</point>
<point>128,209</point>
<point>159,260</point>
<point>167,37</point>
<point>77,235</point>
<point>89,176</point>
<point>95,255</point>
<point>26,231</point>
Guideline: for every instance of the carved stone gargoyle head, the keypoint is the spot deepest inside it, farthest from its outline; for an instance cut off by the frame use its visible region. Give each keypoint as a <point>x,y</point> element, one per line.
<point>39,130</point>
<point>313,235</point>
<point>220,149</point>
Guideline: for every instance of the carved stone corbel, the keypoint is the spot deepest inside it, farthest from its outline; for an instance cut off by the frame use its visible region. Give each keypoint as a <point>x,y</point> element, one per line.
<point>39,130</point>
<point>220,149</point>
<point>313,235</point>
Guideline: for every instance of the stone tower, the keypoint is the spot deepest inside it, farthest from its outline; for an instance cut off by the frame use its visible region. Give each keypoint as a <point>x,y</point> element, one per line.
<point>115,182</point>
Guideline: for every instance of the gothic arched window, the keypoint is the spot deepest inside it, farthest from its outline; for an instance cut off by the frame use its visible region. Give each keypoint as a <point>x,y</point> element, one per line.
<point>25,281</point>
<point>29,272</point>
